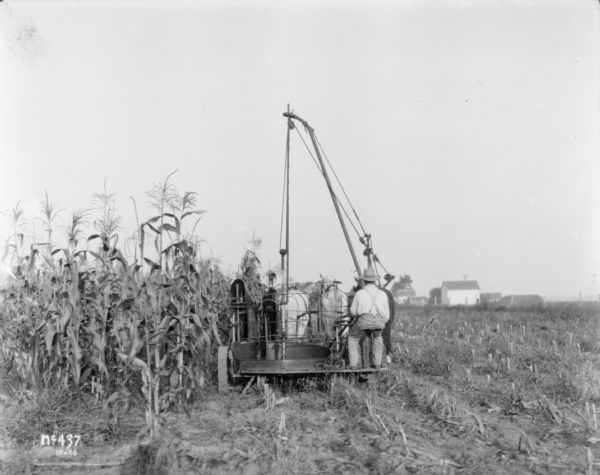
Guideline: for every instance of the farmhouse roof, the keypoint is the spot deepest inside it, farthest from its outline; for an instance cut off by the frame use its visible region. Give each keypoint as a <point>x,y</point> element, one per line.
<point>492,295</point>
<point>460,285</point>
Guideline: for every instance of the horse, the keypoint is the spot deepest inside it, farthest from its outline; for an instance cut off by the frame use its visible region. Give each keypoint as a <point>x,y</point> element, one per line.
<point>334,306</point>
<point>387,331</point>
<point>295,314</point>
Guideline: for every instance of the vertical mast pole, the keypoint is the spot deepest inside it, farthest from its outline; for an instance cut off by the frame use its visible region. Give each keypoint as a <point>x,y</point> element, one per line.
<point>287,211</point>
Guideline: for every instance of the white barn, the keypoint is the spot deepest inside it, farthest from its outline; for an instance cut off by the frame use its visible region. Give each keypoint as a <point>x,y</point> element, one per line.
<point>460,292</point>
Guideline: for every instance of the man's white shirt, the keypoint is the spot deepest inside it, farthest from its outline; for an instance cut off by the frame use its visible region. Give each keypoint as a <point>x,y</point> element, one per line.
<point>371,300</point>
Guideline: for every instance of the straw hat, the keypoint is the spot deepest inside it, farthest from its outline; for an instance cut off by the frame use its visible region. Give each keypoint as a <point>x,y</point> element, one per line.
<point>369,275</point>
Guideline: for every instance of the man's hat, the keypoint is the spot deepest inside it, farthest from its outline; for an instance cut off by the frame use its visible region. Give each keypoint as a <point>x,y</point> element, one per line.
<point>369,275</point>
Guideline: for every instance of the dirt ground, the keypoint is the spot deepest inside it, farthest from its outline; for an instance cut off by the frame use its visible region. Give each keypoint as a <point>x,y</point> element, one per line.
<point>356,429</point>
<point>335,426</point>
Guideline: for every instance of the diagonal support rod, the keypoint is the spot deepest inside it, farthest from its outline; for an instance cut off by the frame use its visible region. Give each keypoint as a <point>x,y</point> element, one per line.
<point>311,133</point>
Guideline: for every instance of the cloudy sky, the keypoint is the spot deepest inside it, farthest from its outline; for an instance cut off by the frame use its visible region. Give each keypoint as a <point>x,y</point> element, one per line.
<point>466,133</point>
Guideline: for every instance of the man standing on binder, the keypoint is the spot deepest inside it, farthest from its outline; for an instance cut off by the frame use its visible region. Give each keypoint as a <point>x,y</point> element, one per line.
<point>371,307</point>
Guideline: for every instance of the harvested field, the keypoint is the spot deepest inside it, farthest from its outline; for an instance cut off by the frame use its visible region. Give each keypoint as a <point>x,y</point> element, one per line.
<point>469,391</point>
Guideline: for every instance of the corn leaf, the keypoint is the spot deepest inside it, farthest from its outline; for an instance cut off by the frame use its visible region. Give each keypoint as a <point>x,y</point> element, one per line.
<point>176,348</point>
<point>32,260</point>
<point>213,325</point>
<point>196,320</point>
<point>153,265</point>
<point>156,337</point>
<point>156,230</point>
<point>117,256</point>
<point>112,397</point>
<point>48,260</point>
<point>175,218</point>
<point>170,227</point>
<point>50,337</point>
<point>41,325</point>
<point>164,323</point>
<point>85,375</point>
<point>190,213</point>
<point>99,364</point>
<point>66,317</point>
<point>174,379</point>
<point>126,304</point>
<point>99,344</point>
<point>75,357</point>
<point>151,220</point>
<point>171,215</point>
<point>135,362</point>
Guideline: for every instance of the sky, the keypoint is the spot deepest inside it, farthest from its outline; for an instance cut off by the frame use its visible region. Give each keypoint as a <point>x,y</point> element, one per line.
<point>466,133</point>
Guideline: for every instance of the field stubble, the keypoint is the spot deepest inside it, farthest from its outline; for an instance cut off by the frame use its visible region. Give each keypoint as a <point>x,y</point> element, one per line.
<point>469,391</point>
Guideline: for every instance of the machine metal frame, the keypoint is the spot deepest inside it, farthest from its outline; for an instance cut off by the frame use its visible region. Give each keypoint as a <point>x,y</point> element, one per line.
<point>260,342</point>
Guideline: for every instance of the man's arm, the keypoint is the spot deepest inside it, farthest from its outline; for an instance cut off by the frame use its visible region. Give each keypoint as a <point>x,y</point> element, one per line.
<point>354,306</point>
<point>383,304</point>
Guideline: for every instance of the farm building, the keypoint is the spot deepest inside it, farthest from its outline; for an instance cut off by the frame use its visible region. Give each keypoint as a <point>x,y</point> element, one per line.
<point>490,297</point>
<point>421,301</point>
<point>403,295</point>
<point>521,301</point>
<point>460,292</point>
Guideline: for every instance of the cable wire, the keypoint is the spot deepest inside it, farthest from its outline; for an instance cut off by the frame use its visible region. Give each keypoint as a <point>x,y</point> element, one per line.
<point>308,150</point>
<point>347,216</point>
<point>375,258</point>
<point>323,174</point>
<point>340,183</point>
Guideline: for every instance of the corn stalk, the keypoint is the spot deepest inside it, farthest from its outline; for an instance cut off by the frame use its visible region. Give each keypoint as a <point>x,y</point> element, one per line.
<point>161,196</point>
<point>83,320</point>
<point>49,215</point>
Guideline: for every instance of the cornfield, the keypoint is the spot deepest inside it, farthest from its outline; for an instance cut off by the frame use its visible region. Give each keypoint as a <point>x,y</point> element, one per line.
<point>87,318</point>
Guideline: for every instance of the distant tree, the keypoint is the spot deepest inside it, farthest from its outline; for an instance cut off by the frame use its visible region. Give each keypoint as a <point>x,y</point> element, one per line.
<point>404,282</point>
<point>435,296</point>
